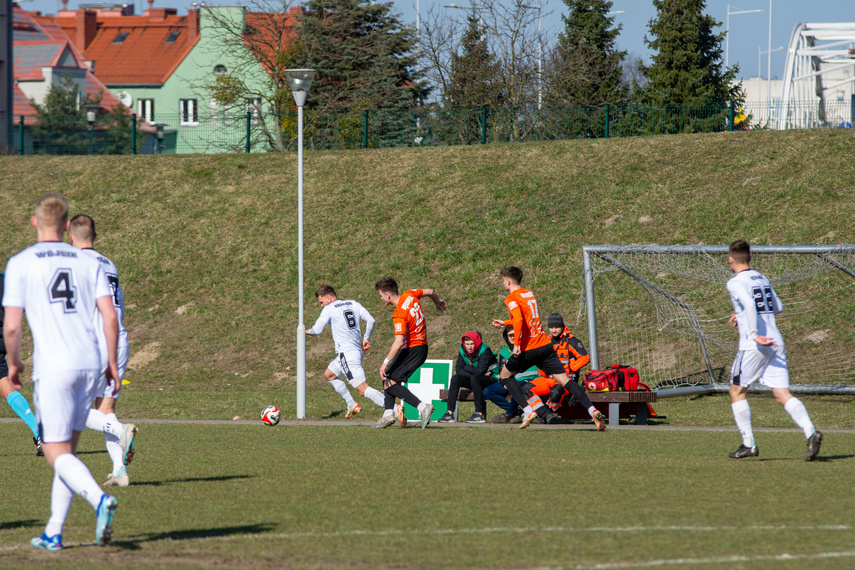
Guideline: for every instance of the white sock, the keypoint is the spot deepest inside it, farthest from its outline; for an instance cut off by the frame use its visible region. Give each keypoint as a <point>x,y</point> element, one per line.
<point>60,503</point>
<point>526,410</point>
<point>592,410</point>
<point>797,411</point>
<point>342,390</point>
<point>77,477</point>
<point>375,396</point>
<point>742,415</point>
<point>99,421</point>
<point>421,407</point>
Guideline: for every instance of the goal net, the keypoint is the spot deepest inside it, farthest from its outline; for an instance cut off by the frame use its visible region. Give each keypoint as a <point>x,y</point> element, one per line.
<point>665,310</point>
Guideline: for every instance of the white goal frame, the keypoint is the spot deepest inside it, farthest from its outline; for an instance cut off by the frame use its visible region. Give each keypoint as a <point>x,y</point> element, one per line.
<point>606,253</point>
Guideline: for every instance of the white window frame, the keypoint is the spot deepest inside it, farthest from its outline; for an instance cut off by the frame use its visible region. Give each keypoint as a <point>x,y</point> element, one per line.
<point>188,110</point>
<point>145,109</point>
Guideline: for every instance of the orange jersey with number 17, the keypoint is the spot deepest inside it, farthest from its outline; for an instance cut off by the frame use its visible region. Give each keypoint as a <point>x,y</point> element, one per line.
<point>409,319</point>
<point>525,318</point>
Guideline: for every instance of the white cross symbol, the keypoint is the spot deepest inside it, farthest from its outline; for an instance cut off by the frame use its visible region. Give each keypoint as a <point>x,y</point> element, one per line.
<point>425,389</point>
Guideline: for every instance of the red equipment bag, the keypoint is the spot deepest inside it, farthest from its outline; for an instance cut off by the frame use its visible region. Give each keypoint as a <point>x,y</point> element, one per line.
<point>627,377</point>
<point>600,381</point>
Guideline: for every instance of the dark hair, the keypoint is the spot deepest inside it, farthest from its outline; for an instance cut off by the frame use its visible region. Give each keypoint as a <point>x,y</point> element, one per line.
<point>513,273</point>
<point>82,227</point>
<point>506,333</point>
<point>740,251</point>
<point>325,290</point>
<point>387,285</point>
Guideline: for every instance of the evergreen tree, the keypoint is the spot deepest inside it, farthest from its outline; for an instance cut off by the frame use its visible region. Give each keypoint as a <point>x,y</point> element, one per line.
<point>61,126</point>
<point>363,54</point>
<point>687,68</point>
<point>586,65</point>
<point>474,83</point>
<point>474,80</point>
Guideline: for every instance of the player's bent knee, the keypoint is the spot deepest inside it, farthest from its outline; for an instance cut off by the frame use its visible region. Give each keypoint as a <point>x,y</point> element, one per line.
<point>361,388</point>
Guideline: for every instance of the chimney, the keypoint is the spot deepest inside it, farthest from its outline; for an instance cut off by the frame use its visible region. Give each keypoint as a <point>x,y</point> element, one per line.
<point>87,27</point>
<point>192,25</point>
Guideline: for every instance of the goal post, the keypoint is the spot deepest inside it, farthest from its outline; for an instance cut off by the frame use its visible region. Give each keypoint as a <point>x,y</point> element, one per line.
<point>665,310</point>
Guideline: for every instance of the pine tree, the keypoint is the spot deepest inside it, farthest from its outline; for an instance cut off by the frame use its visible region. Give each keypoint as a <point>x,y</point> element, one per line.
<point>363,54</point>
<point>474,83</point>
<point>586,65</point>
<point>61,126</point>
<point>365,61</point>
<point>687,68</point>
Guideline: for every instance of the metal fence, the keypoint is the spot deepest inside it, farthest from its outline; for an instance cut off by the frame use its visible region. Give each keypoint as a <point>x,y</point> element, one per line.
<point>430,125</point>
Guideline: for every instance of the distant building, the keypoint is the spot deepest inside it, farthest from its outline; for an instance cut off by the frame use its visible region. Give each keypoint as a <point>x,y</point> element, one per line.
<point>161,64</point>
<point>44,55</point>
<point>817,86</point>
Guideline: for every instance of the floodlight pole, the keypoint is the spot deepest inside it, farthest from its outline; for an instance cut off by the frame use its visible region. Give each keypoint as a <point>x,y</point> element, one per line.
<point>300,80</point>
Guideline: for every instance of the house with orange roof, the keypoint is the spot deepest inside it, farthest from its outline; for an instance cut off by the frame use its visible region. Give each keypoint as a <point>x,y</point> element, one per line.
<point>162,65</point>
<point>43,57</point>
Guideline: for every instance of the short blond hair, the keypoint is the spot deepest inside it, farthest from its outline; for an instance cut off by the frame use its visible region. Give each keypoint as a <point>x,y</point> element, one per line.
<point>52,211</point>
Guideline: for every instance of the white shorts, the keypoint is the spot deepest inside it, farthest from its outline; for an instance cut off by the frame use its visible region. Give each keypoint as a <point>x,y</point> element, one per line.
<point>106,390</point>
<point>348,366</point>
<point>767,365</point>
<point>62,403</point>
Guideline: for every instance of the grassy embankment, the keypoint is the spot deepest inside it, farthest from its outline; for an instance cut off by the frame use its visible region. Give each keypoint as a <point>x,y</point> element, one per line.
<point>206,245</point>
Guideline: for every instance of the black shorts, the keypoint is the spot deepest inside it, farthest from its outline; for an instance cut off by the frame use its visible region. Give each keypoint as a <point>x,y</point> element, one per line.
<point>4,370</point>
<point>407,361</point>
<point>543,357</point>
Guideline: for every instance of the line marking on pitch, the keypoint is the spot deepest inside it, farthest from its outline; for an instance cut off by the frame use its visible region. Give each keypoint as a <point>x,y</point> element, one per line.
<point>520,530</point>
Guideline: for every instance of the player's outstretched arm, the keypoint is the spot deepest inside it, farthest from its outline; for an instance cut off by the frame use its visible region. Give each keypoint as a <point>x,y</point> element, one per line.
<point>439,303</point>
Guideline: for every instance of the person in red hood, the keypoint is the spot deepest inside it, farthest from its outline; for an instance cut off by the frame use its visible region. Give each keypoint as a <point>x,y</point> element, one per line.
<point>475,365</point>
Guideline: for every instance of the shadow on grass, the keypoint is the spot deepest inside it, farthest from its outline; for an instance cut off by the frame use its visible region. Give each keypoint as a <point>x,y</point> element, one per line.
<point>333,415</point>
<point>191,480</point>
<point>20,524</point>
<point>195,534</point>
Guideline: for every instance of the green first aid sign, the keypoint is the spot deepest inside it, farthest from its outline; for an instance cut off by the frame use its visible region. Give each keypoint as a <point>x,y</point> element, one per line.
<point>425,383</point>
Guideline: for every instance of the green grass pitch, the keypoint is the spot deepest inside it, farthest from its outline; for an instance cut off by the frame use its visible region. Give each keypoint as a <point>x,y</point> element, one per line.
<point>309,496</point>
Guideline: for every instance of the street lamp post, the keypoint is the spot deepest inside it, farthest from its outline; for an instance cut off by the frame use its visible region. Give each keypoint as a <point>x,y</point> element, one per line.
<point>727,31</point>
<point>91,115</point>
<point>300,80</point>
<point>158,137</point>
<point>769,64</point>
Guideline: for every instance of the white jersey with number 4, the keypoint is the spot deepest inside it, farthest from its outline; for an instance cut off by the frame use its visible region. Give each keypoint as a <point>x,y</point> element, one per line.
<point>343,318</point>
<point>755,304</point>
<point>57,285</point>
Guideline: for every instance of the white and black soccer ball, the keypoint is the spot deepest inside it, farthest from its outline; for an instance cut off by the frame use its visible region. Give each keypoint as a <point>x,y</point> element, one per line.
<point>270,415</point>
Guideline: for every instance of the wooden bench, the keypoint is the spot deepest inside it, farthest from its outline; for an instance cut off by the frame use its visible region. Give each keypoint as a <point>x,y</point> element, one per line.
<point>620,404</point>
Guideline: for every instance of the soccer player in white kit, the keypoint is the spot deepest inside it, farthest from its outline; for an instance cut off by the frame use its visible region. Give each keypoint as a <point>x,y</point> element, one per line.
<point>118,437</point>
<point>761,356</point>
<point>343,317</point>
<point>60,290</point>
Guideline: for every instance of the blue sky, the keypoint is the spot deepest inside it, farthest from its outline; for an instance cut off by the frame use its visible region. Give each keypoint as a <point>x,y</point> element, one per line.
<point>748,32</point>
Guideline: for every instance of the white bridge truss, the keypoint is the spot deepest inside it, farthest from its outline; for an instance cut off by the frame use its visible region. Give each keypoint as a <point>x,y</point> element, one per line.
<point>820,61</point>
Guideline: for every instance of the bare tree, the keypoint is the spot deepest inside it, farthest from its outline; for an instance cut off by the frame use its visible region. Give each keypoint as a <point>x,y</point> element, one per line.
<point>512,35</point>
<point>257,38</point>
<point>513,39</point>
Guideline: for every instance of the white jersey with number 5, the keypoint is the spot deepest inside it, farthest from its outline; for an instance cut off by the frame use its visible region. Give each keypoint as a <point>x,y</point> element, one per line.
<point>343,318</point>
<point>57,286</point>
<point>755,304</point>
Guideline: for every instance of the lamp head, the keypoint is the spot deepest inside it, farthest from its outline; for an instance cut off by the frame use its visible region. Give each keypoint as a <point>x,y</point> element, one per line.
<point>300,80</point>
